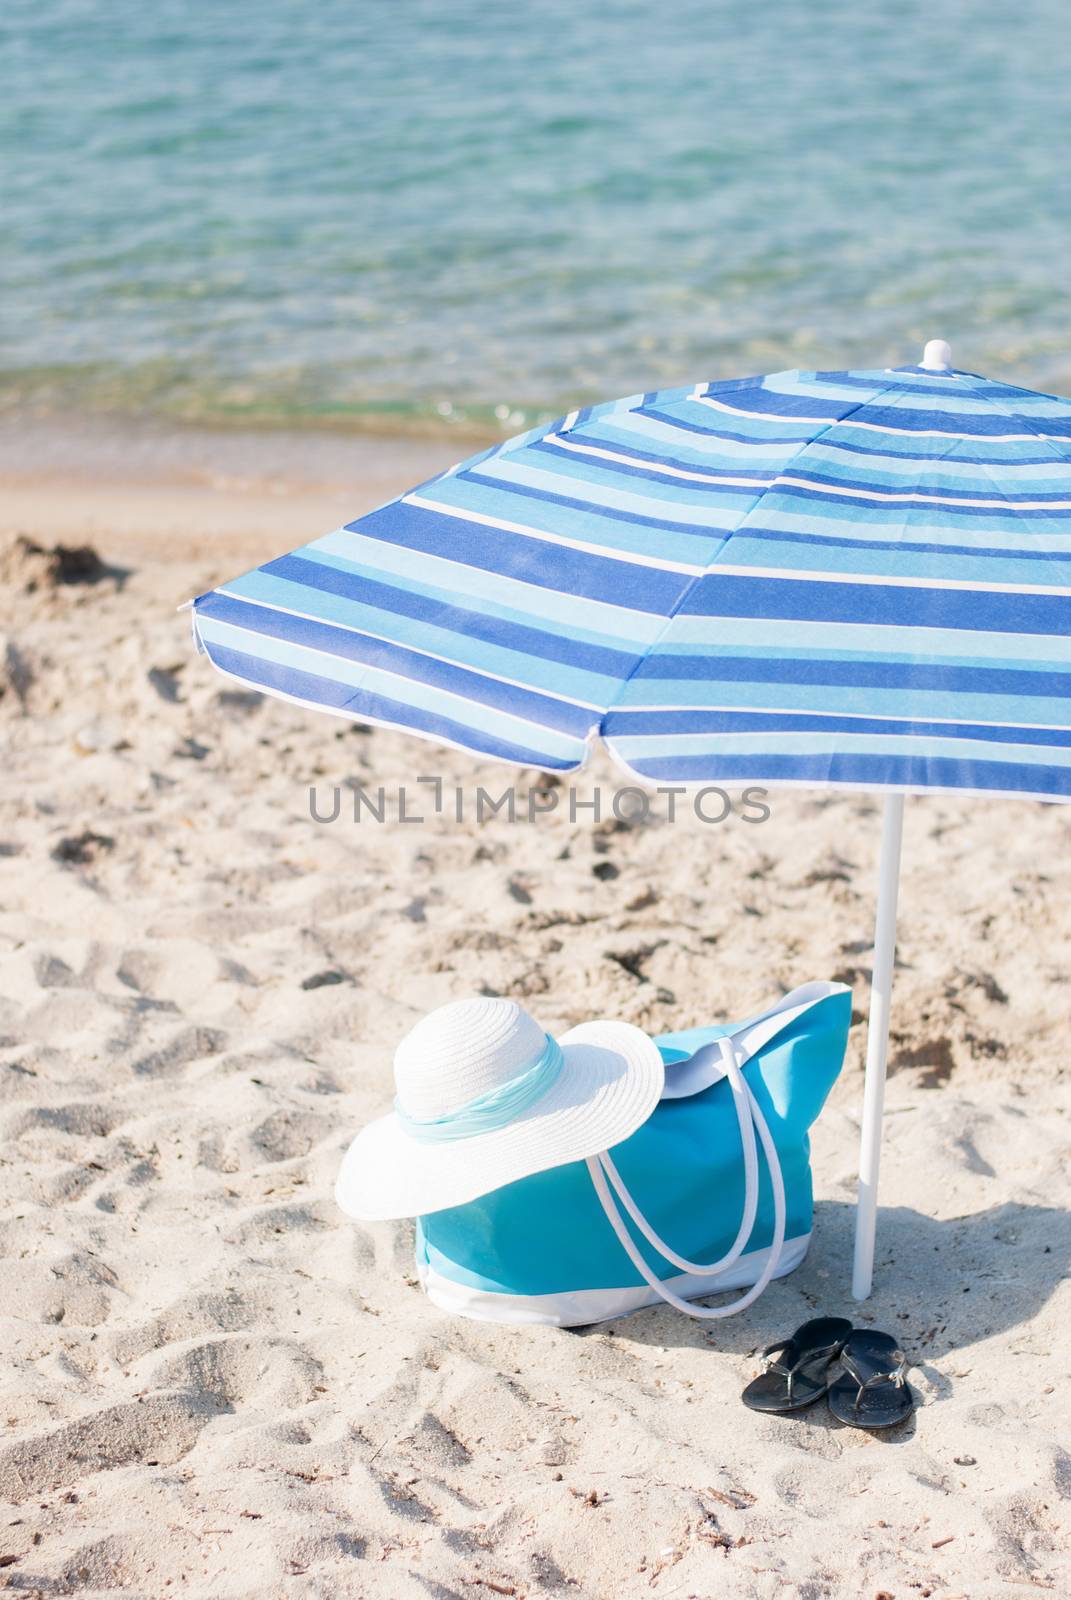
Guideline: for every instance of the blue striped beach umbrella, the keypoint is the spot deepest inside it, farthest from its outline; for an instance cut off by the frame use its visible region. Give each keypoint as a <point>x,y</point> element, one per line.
<point>856,580</point>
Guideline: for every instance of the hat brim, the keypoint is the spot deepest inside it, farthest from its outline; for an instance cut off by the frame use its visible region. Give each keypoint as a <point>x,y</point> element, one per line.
<point>610,1082</point>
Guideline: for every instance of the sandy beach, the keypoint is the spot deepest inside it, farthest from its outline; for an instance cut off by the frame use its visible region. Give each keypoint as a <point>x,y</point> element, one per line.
<point>217,1386</point>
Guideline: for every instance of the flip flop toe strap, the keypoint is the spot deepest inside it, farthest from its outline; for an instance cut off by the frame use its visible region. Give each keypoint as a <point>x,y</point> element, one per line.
<point>897,1376</point>
<point>808,1357</point>
<point>769,1365</point>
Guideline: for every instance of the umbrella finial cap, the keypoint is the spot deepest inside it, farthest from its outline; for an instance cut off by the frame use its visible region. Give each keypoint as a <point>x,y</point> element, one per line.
<point>937,356</point>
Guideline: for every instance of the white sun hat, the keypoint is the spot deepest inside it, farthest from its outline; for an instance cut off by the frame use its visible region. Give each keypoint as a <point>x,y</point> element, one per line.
<point>485,1097</point>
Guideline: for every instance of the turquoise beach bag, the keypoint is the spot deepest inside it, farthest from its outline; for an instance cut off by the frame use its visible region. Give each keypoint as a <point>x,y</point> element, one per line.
<point>712,1193</point>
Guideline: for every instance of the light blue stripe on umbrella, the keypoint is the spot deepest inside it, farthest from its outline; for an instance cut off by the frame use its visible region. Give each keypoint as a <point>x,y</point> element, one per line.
<point>528,551</point>
<point>625,725</point>
<point>810,553</point>
<point>776,637</point>
<point>657,485</point>
<point>559,666</point>
<point>841,770</point>
<point>925,536</point>
<point>850,699</point>
<point>858,578</point>
<point>504,709</point>
<point>495,594</point>
<point>328,694</point>
<point>676,668</point>
<point>818,742</point>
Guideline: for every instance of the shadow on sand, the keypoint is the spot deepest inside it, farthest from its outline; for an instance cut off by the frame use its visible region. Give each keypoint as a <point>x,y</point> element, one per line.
<point>939,1287</point>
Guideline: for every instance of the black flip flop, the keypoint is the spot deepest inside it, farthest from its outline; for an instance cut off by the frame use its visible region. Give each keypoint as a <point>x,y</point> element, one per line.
<point>871,1391</point>
<point>803,1374</point>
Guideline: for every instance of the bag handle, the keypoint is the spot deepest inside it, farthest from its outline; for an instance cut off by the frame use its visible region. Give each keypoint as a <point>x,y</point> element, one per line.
<point>750,1117</point>
<point>751,1180</point>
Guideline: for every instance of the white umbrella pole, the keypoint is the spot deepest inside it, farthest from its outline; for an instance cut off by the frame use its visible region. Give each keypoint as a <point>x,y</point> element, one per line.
<point>877,1047</point>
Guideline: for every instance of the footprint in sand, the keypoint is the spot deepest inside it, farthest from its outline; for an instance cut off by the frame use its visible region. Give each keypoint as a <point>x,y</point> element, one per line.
<point>161,1429</point>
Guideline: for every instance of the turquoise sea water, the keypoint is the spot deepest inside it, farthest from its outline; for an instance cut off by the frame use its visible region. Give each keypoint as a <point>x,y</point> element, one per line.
<point>461,212</point>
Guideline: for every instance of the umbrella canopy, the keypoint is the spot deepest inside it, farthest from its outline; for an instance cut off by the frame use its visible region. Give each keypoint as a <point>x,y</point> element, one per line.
<point>847,579</point>
<point>857,579</point>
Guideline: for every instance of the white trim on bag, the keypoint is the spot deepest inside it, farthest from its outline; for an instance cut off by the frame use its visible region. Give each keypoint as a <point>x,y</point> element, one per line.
<point>573,1308</point>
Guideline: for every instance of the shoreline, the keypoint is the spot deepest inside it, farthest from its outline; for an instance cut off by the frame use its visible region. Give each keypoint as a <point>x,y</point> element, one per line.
<point>185,491</point>
<point>88,448</point>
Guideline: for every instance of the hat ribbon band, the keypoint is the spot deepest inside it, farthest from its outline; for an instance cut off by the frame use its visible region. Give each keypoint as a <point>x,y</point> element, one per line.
<point>494,1109</point>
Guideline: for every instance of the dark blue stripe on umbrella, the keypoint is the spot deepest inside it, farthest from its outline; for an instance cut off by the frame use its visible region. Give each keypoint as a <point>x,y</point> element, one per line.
<point>821,480</point>
<point>638,465</point>
<point>905,547</point>
<point>359,703</point>
<point>875,771</point>
<point>880,502</point>
<point>773,406</point>
<point>804,600</point>
<point>899,380</point>
<point>458,619</point>
<point>730,385</point>
<point>625,724</point>
<point>562,715</point>
<point>935,372</point>
<point>891,447</point>
<point>976,424</point>
<point>596,508</point>
<point>856,674</point>
<point>674,421</point>
<point>529,559</point>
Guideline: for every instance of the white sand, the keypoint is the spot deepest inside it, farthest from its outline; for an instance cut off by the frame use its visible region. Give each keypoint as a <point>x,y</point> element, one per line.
<point>217,1386</point>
